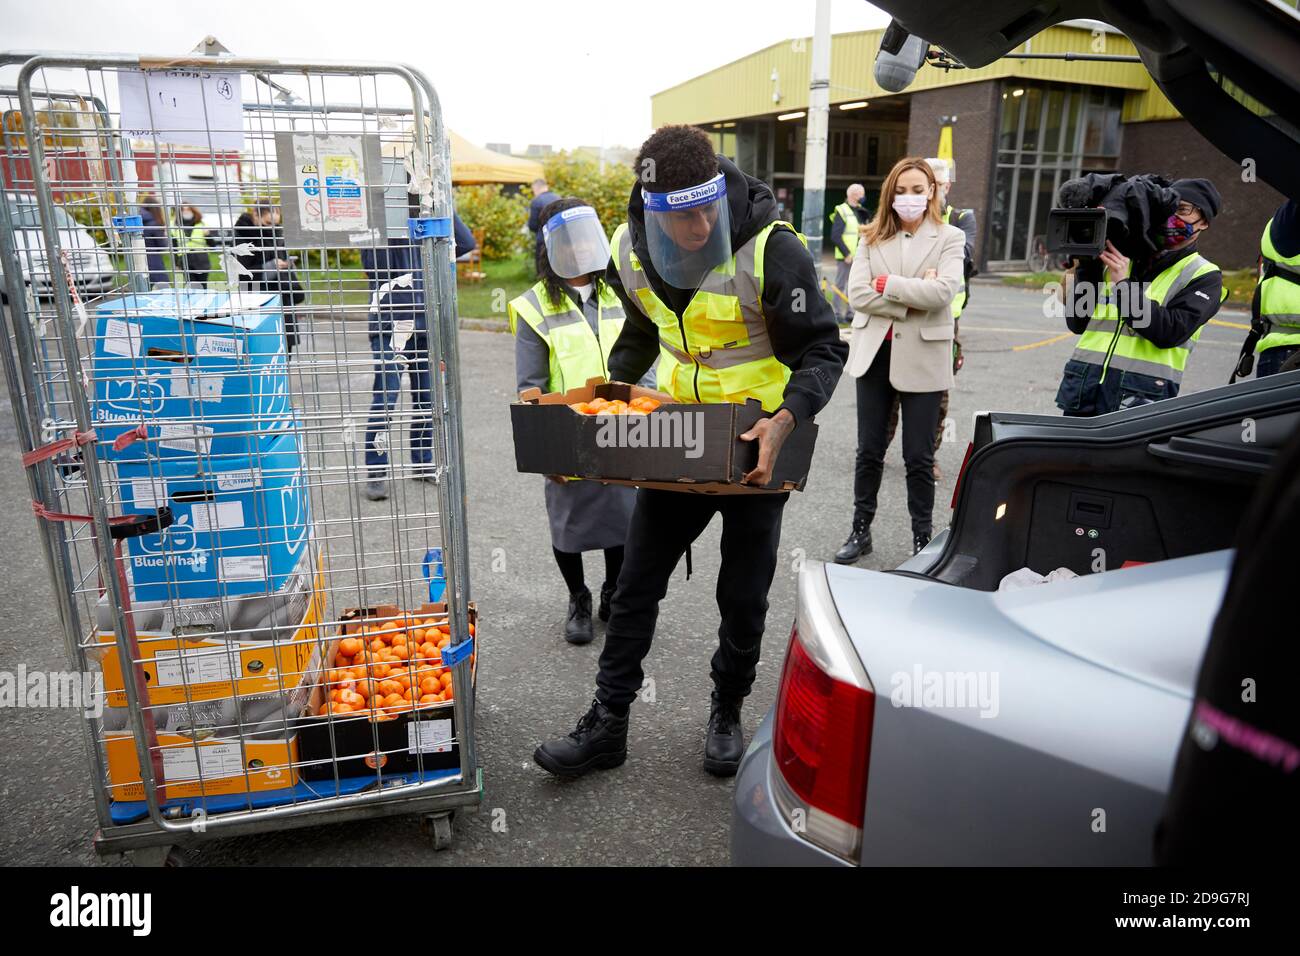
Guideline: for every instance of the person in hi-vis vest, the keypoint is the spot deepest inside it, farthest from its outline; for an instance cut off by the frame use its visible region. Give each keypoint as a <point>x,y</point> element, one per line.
<point>565,327</point>
<point>1279,291</point>
<point>725,297</point>
<point>846,218</point>
<point>1138,322</point>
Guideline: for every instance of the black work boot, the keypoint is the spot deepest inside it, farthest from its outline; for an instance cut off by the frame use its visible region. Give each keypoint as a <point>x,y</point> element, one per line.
<point>858,543</point>
<point>577,629</point>
<point>724,742</point>
<point>606,592</point>
<point>919,540</point>
<point>599,742</point>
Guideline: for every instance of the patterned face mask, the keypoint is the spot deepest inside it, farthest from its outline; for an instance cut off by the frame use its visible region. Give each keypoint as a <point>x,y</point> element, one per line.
<point>1178,229</point>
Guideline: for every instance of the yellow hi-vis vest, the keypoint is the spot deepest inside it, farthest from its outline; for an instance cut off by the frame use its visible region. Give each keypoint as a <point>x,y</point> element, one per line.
<point>196,241</point>
<point>958,303</point>
<point>577,353</point>
<point>1279,299</point>
<point>845,212</point>
<point>718,350</point>
<point>1133,353</point>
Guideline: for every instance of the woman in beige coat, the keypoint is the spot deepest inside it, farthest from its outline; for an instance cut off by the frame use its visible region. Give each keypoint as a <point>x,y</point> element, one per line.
<point>907,270</point>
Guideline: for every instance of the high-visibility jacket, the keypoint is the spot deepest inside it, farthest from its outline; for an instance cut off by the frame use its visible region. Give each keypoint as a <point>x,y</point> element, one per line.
<point>846,213</point>
<point>576,352</point>
<point>195,241</point>
<point>1279,296</point>
<point>1129,351</point>
<point>718,349</point>
<point>958,303</point>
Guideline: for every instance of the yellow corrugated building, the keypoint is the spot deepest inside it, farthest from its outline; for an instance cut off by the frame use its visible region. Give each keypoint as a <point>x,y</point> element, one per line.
<point>1019,127</point>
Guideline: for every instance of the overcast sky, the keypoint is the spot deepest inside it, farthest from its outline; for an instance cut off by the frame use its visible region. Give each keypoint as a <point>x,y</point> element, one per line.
<point>564,73</point>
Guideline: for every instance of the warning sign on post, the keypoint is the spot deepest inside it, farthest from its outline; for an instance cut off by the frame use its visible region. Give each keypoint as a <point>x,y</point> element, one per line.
<point>337,202</point>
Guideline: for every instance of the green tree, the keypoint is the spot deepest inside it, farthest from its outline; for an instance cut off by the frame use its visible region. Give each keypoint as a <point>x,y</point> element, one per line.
<point>502,218</point>
<point>576,174</point>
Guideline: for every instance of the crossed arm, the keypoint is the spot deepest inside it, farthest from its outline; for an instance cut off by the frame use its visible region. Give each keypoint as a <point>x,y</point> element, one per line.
<point>900,293</point>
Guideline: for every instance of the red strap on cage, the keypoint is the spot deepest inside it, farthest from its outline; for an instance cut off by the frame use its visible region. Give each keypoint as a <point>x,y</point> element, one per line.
<point>139,433</point>
<point>133,642</point>
<point>59,447</point>
<point>43,512</point>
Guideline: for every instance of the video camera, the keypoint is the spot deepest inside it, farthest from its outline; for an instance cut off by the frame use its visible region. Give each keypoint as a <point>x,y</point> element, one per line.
<point>1079,233</point>
<point>1128,211</point>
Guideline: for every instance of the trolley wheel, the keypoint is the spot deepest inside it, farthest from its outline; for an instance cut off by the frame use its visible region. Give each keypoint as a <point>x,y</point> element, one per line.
<point>167,855</point>
<point>436,828</point>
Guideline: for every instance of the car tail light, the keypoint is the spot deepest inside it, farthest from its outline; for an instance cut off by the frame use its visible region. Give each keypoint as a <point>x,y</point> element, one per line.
<point>822,734</point>
<point>956,488</point>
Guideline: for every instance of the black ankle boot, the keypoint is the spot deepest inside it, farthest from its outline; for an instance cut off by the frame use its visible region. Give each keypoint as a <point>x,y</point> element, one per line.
<point>577,628</point>
<point>606,592</point>
<point>724,742</point>
<point>919,540</point>
<point>599,742</point>
<point>858,543</point>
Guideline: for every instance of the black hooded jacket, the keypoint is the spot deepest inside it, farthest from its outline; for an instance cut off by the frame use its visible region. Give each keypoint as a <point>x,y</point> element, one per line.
<point>805,337</point>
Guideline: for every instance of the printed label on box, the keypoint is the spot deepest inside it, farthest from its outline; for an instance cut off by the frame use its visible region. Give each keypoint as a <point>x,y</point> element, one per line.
<point>218,346</point>
<point>200,666</point>
<point>121,338</point>
<point>428,736</point>
<point>238,480</point>
<point>250,567</point>
<point>217,760</point>
<point>206,388</point>
<point>148,493</point>
<point>217,515</point>
<point>185,437</point>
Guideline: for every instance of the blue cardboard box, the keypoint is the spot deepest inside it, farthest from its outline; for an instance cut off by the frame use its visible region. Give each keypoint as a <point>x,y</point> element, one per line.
<point>206,372</point>
<point>239,530</point>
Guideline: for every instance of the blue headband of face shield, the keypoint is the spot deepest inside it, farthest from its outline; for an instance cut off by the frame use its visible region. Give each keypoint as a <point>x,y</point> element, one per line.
<point>715,190</point>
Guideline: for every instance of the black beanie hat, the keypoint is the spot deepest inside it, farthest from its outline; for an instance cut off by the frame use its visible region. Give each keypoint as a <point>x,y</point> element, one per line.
<point>1201,194</point>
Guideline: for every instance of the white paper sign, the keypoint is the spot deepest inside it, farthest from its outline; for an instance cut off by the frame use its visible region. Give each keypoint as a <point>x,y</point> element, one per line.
<point>185,107</point>
<point>217,515</point>
<point>332,180</point>
<point>250,567</point>
<point>432,737</point>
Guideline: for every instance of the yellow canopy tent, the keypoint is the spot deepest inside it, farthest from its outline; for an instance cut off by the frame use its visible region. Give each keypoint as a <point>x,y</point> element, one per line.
<point>471,165</point>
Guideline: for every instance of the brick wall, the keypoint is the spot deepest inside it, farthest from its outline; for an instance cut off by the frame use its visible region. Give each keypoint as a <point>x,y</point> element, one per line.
<point>976,107</point>
<point>1173,148</point>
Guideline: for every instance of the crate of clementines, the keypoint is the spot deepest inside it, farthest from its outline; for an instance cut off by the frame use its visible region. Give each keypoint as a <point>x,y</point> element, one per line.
<point>384,700</point>
<point>629,435</point>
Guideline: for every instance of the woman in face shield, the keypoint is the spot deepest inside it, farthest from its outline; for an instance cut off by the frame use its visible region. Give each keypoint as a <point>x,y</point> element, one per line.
<point>565,327</point>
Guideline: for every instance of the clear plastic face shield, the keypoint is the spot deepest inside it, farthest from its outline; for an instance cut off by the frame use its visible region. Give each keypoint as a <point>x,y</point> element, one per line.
<point>688,232</point>
<point>575,242</point>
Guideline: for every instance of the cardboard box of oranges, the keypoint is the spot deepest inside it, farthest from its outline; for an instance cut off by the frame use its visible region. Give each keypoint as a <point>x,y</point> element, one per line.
<point>197,767</point>
<point>384,697</point>
<point>625,434</point>
<point>175,665</point>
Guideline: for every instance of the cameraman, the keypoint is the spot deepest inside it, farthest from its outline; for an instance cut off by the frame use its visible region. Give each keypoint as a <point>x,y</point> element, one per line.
<point>1137,322</point>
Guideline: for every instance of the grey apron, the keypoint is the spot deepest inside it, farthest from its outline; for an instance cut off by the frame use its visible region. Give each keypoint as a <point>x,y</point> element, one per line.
<point>586,515</point>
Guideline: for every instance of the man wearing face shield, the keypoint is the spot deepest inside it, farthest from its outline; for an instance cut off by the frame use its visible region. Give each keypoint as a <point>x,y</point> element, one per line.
<point>726,297</point>
<point>565,327</point>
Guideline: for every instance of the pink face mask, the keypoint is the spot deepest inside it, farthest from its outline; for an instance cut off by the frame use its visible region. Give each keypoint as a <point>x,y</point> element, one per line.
<point>910,206</point>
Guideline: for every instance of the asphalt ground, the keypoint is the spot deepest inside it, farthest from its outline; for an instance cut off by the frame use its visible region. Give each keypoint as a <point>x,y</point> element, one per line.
<point>660,808</point>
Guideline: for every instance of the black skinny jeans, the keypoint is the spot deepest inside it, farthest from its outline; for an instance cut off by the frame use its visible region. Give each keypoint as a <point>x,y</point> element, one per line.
<point>920,419</point>
<point>664,523</point>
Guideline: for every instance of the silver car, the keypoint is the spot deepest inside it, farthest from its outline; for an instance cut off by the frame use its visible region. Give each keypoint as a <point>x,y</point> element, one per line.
<point>926,717</point>
<point>90,265</point>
